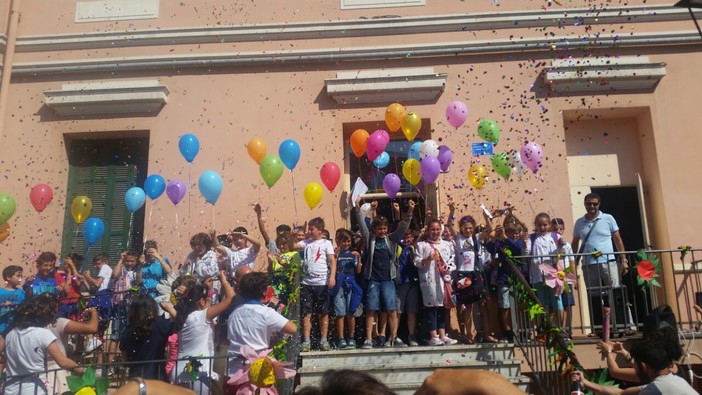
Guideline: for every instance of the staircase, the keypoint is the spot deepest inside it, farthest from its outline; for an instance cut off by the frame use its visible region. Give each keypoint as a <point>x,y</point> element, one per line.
<point>404,369</point>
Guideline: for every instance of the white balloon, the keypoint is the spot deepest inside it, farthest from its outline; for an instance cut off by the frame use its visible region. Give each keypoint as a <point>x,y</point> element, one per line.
<point>517,165</point>
<point>428,148</point>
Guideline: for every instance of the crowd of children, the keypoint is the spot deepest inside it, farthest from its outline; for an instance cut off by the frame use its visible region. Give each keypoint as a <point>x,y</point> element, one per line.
<point>385,271</point>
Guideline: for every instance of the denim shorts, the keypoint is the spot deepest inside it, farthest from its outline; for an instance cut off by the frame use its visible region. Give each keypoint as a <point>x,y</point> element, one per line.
<point>341,303</point>
<point>568,299</point>
<point>381,296</point>
<point>547,297</point>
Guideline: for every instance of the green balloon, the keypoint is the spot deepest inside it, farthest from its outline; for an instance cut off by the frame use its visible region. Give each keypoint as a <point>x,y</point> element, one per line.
<point>7,207</point>
<point>500,163</point>
<point>489,131</point>
<point>271,169</point>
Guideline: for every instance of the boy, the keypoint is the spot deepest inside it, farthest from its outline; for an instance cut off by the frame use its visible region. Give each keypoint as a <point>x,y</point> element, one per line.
<point>566,251</point>
<point>318,276</point>
<point>347,293</point>
<point>11,294</point>
<point>380,272</point>
<point>155,268</point>
<point>271,244</point>
<point>408,293</point>
<point>101,299</point>
<point>70,282</point>
<point>125,275</point>
<point>241,252</point>
<point>43,281</point>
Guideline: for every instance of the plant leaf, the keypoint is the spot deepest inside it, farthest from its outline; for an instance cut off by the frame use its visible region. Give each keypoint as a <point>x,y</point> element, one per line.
<point>75,383</point>
<point>655,282</point>
<point>89,377</point>
<point>101,386</point>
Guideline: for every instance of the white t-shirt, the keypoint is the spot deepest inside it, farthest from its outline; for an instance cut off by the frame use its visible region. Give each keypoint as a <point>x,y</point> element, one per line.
<point>106,275</point>
<point>668,384</point>
<point>241,257</point>
<point>544,245</point>
<point>194,340</point>
<point>252,325</point>
<point>26,353</point>
<point>316,266</point>
<point>465,253</point>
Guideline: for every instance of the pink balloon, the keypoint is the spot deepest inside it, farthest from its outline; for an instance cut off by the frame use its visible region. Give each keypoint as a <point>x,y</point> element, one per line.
<point>456,113</point>
<point>445,157</point>
<point>376,143</point>
<point>391,185</point>
<point>40,196</point>
<point>532,156</point>
<point>330,174</point>
<point>175,191</point>
<point>430,169</point>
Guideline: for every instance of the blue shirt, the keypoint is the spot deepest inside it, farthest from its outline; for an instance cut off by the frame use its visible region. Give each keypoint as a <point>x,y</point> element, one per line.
<point>152,274</point>
<point>43,285</point>
<point>381,261</point>
<point>8,301</point>
<point>600,239</point>
<point>408,272</point>
<point>346,262</point>
<point>496,248</point>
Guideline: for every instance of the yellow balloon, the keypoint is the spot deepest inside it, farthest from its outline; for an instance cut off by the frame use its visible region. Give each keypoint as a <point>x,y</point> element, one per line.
<point>410,169</point>
<point>81,208</point>
<point>4,231</point>
<point>478,175</point>
<point>393,116</point>
<point>313,194</point>
<point>411,123</point>
<point>257,149</point>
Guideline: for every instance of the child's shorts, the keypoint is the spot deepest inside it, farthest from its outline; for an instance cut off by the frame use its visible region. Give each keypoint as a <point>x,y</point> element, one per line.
<point>381,296</point>
<point>314,299</point>
<point>408,298</point>
<point>547,297</point>
<point>342,301</point>
<point>504,301</point>
<point>568,299</point>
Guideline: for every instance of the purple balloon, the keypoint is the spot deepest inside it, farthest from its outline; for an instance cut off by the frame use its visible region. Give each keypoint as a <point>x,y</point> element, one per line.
<point>430,169</point>
<point>376,143</point>
<point>532,155</point>
<point>175,191</point>
<point>391,185</point>
<point>445,157</point>
<point>456,113</point>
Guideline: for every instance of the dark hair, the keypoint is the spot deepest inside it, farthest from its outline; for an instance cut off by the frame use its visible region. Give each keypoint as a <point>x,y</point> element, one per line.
<point>557,221</point>
<point>188,303</point>
<point>39,311</point>
<point>101,257</point>
<point>542,216</point>
<point>241,229</point>
<point>186,280</point>
<point>150,244</point>
<point>433,221</point>
<point>326,234</point>
<point>142,313</point>
<point>592,195</point>
<point>201,238</point>
<point>77,258</point>
<point>282,228</point>
<point>11,271</point>
<point>467,218</point>
<point>132,253</point>
<point>287,239</point>
<point>653,352</point>
<point>46,256</point>
<point>352,382</point>
<point>317,222</point>
<point>253,286</point>
<point>343,234</point>
<point>379,221</point>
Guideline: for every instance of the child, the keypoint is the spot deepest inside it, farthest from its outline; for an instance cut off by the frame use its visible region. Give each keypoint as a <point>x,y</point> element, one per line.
<point>253,324</point>
<point>241,252</point>
<point>539,246</point>
<point>280,266</point>
<point>380,272</point>
<point>43,281</point>
<point>271,244</point>
<point>101,289</point>
<point>71,286</point>
<point>155,268</point>
<point>347,293</point>
<point>435,260</point>
<point>318,277</point>
<point>566,251</point>
<point>408,286</point>
<point>194,323</point>
<point>101,262</point>
<point>202,262</point>
<point>125,275</point>
<point>11,294</point>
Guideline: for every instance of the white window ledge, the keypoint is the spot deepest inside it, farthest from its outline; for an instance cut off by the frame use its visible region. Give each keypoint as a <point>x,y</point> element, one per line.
<point>386,85</point>
<point>354,4</point>
<point>105,98</point>
<point>629,73</point>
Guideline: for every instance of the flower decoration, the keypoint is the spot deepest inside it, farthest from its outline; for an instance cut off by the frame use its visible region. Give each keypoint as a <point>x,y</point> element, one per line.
<point>683,252</point>
<point>193,367</point>
<point>86,384</point>
<point>596,253</point>
<point>260,373</point>
<point>555,277</point>
<point>648,268</point>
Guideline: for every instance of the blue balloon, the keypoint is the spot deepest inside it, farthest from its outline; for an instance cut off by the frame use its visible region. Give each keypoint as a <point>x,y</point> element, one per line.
<point>382,160</point>
<point>93,228</point>
<point>189,145</point>
<point>413,152</point>
<point>289,153</point>
<point>210,186</point>
<point>134,198</point>
<point>154,186</point>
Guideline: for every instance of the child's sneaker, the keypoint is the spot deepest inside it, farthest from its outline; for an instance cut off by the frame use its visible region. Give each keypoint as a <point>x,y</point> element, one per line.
<point>448,341</point>
<point>341,344</point>
<point>380,341</point>
<point>324,345</point>
<point>305,346</point>
<point>351,344</point>
<point>367,344</point>
<point>413,342</point>
<point>435,341</point>
<point>398,343</point>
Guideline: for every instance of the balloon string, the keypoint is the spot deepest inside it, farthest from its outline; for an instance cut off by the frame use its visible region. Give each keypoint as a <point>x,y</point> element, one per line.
<point>333,214</point>
<point>214,225</point>
<point>190,168</point>
<point>292,176</point>
<point>129,235</point>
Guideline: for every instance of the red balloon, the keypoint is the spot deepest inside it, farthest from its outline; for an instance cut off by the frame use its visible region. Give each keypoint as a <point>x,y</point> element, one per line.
<point>330,174</point>
<point>40,196</point>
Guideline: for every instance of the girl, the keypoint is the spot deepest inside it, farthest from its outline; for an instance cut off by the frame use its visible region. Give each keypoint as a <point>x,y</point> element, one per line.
<point>435,260</point>
<point>470,257</point>
<point>145,339</point>
<point>194,322</point>
<point>281,265</point>
<point>540,246</point>
<point>566,251</point>
<point>29,343</point>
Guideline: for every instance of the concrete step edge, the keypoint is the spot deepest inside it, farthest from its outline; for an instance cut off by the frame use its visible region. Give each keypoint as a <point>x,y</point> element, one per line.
<point>418,365</point>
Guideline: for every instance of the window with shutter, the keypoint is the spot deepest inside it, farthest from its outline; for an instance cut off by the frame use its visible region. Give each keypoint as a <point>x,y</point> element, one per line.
<point>103,170</point>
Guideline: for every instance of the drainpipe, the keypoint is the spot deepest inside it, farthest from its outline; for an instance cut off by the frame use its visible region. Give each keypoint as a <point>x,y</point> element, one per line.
<point>13,23</point>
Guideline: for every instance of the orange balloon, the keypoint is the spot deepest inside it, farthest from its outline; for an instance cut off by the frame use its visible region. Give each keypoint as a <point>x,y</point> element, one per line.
<point>4,231</point>
<point>257,149</point>
<point>393,116</point>
<point>358,142</point>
